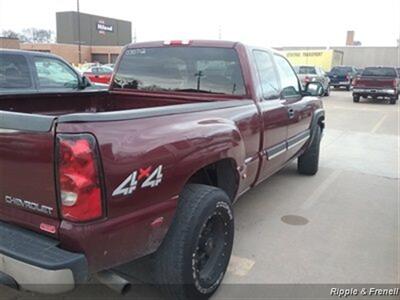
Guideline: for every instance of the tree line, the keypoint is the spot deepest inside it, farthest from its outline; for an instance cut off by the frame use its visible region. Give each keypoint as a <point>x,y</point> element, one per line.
<point>30,35</point>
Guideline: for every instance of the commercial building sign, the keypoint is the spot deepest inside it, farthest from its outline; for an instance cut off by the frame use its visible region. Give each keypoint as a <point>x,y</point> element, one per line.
<point>102,27</point>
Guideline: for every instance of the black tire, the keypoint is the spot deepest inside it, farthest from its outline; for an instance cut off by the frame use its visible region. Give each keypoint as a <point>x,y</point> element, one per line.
<point>327,91</point>
<point>393,100</point>
<point>193,258</point>
<point>308,162</point>
<point>356,98</point>
<point>348,87</point>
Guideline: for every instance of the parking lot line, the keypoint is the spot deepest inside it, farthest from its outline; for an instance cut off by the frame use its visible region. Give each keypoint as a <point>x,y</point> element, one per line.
<point>316,195</point>
<point>378,124</point>
<point>240,266</point>
<point>354,108</point>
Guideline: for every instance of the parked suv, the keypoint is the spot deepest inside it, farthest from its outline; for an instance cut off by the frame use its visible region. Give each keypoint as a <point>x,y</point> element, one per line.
<point>342,76</point>
<point>308,74</point>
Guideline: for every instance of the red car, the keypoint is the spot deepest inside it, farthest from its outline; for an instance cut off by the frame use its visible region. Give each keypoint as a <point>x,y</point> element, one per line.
<point>99,74</point>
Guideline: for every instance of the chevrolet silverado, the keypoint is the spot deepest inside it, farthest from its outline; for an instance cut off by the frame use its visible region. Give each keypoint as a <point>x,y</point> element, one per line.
<point>377,83</point>
<point>151,167</point>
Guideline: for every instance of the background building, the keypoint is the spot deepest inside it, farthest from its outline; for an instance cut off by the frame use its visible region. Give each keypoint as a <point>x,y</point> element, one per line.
<point>87,38</point>
<point>101,54</point>
<point>9,43</point>
<point>360,56</point>
<point>92,30</point>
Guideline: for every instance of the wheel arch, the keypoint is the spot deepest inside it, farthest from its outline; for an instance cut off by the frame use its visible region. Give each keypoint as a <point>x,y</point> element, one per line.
<point>222,174</point>
<point>317,120</point>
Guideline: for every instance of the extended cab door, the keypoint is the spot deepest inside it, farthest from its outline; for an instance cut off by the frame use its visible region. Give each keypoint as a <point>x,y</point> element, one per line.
<point>298,108</point>
<point>274,115</point>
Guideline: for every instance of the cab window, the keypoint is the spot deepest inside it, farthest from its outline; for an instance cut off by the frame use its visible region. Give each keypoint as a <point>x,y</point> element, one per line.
<point>268,76</point>
<point>289,82</point>
<point>14,72</point>
<point>54,74</point>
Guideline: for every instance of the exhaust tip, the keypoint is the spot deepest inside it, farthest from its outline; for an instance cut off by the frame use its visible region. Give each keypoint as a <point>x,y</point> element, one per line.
<point>114,282</point>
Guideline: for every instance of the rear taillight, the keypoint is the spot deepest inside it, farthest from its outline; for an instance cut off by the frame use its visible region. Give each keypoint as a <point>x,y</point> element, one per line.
<point>78,177</point>
<point>347,77</point>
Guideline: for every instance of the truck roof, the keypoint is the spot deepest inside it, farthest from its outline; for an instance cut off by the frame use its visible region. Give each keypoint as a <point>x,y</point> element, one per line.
<point>28,52</point>
<point>200,43</point>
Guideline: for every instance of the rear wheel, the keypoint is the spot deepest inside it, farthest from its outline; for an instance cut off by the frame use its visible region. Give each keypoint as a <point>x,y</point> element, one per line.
<point>194,256</point>
<point>393,100</point>
<point>308,162</point>
<point>327,91</point>
<point>356,98</point>
<point>348,87</point>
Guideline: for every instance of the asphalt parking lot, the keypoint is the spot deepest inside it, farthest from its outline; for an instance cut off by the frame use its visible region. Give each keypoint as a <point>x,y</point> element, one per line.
<point>340,226</point>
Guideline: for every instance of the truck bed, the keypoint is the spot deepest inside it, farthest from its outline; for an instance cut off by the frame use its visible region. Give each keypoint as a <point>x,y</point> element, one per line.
<point>68,103</point>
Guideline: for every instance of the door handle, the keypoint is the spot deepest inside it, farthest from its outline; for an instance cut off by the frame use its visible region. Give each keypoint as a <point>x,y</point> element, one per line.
<point>291,113</point>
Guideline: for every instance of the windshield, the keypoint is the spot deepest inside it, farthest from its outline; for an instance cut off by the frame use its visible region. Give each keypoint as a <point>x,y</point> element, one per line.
<point>341,70</point>
<point>305,70</point>
<point>181,69</point>
<point>380,72</point>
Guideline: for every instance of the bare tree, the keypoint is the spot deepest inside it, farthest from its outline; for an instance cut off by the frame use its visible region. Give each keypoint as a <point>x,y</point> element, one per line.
<point>9,34</point>
<point>35,35</point>
<point>30,35</point>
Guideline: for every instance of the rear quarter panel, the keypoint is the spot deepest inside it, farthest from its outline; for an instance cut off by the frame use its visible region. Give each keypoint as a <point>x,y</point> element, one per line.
<point>182,144</point>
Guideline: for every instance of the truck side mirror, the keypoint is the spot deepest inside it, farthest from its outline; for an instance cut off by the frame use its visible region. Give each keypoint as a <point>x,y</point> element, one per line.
<point>84,83</point>
<point>314,89</point>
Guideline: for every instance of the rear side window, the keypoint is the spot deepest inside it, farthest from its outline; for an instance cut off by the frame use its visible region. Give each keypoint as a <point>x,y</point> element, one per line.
<point>268,76</point>
<point>181,69</point>
<point>341,70</point>
<point>14,72</point>
<point>54,74</point>
<point>380,72</point>
<point>103,70</point>
<point>306,70</point>
<point>289,82</point>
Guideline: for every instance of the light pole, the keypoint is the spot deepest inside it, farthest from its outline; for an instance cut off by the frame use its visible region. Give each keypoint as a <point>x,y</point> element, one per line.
<point>398,51</point>
<point>79,32</point>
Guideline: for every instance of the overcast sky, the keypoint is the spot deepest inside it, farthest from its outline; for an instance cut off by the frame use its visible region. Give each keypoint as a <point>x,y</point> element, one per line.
<point>264,23</point>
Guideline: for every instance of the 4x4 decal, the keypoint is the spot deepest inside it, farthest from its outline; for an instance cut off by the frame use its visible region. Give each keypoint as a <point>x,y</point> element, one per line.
<point>131,183</point>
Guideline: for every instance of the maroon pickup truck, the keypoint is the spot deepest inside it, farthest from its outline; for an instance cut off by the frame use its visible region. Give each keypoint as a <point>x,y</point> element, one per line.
<point>90,181</point>
<point>377,83</point>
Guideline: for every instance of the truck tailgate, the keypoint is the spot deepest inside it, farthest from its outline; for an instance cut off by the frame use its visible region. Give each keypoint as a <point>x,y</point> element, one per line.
<point>375,82</point>
<point>27,177</point>
<point>336,78</point>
